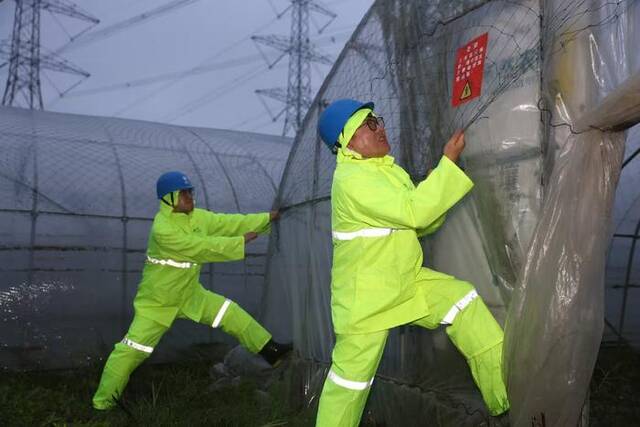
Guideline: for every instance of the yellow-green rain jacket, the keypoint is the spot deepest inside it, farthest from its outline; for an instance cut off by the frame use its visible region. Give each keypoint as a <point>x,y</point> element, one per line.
<point>185,242</point>
<point>377,216</point>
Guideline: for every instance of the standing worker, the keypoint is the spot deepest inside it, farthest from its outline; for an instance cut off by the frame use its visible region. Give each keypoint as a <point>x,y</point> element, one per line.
<point>181,240</point>
<point>378,281</point>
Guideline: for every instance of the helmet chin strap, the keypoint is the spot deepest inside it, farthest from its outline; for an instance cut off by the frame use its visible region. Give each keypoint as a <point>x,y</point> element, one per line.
<point>171,205</point>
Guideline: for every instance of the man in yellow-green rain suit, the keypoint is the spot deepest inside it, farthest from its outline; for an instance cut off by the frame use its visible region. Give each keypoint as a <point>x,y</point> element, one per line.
<point>181,240</point>
<point>378,281</point>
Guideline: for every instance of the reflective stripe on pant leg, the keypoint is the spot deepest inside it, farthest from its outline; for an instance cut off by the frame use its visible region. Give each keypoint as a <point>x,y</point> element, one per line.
<point>229,316</point>
<point>479,338</point>
<point>475,333</point>
<point>441,293</point>
<point>346,388</point>
<point>125,358</point>
<point>221,312</point>
<point>137,346</point>
<point>352,385</point>
<point>458,307</point>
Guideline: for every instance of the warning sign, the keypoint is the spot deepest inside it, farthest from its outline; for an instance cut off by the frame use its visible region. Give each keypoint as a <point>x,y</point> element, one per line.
<point>468,70</point>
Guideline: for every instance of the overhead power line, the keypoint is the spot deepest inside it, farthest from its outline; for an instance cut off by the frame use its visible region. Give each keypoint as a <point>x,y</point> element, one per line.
<point>213,94</point>
<point>93,36</point>
<point>202,69</point>
<point>193,71</point>
<point>175,80</point>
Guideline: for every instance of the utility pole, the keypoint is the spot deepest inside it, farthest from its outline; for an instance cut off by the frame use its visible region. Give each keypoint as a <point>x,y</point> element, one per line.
<point>297,95</point>
<point>24,56</point>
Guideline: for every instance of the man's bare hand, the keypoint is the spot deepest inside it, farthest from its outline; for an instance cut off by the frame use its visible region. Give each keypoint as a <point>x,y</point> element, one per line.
<point>274,215</point>
<point>454,147</point>
<point>250,236</point>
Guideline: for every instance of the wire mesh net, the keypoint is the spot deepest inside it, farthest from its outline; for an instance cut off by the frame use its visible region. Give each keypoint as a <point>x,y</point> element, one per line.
<point>546,66</point>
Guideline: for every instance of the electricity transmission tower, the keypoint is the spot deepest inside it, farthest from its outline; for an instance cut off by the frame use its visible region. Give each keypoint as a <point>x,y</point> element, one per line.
<point>297,95</point>
<point>24,56</point>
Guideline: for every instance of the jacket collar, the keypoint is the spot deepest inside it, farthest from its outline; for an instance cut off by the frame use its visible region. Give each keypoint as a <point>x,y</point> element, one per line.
<point>349,156</point>
<point>178,218</point>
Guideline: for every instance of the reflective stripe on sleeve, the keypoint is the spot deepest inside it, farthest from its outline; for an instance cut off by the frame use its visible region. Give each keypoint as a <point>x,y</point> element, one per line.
<point>137,346</point>
<point>365,232</point>
<point>220,315</point>
<point>171,263</point>
<point>352,385</point>
<point>458,307</point>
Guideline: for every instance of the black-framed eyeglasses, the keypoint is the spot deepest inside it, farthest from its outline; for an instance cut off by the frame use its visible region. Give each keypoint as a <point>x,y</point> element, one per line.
<point>373,122</point>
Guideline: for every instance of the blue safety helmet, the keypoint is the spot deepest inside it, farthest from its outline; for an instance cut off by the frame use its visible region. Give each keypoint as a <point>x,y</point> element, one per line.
<point>335,116</point>
<point>170,182</point>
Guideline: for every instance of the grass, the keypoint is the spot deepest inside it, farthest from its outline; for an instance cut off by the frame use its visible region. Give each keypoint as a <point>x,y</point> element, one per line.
<point>158,395</point>
<point>179,394</point>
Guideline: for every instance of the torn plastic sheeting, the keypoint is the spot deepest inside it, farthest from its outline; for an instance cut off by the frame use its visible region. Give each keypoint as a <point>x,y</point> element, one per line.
<point>555,320</point>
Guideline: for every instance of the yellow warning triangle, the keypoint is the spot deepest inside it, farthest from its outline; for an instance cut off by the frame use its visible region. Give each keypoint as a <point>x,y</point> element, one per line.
<point>466,92</point>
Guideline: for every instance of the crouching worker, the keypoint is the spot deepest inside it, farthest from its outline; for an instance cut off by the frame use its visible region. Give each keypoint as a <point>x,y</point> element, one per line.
<point>181,240</point>
<point>378,281</point>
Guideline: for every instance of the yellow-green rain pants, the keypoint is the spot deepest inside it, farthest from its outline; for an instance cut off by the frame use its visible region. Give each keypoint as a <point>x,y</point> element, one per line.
<point>470,326</point>
<point>144,334</point>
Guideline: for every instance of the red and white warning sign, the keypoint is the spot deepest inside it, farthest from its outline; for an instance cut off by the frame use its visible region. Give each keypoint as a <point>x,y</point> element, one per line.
<point>468,70</point>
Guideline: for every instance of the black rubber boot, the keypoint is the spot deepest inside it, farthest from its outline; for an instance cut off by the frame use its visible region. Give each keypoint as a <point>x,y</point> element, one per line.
<point>273,352</point>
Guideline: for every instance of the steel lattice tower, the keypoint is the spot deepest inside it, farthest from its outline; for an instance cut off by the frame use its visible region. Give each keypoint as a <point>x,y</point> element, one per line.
<point>299,81</point>
<point>24,57</point>
<point>297,95</point>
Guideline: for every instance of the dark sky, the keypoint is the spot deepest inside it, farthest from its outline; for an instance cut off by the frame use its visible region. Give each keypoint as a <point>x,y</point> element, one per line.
<point>203,32</point>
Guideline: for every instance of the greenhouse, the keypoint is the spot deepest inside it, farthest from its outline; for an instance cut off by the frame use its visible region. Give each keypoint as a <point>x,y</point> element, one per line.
<point>547,236</point>
<point>78,200</point>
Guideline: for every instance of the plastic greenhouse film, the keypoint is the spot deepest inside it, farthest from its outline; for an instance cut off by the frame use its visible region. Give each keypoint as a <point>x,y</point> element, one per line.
<point>555,321</point>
